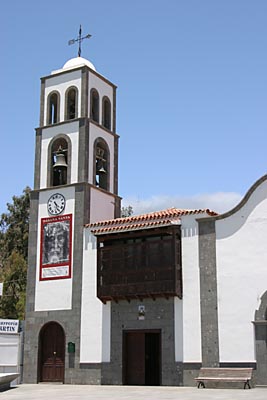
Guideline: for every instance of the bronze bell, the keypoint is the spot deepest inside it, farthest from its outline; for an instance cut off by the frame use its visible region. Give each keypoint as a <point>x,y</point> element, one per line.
<point>60,160</point>
<point>102,170</point>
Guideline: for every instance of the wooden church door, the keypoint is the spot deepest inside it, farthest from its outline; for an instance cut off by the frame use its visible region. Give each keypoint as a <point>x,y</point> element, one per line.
<point>52,353</point>
<point>142,358</point>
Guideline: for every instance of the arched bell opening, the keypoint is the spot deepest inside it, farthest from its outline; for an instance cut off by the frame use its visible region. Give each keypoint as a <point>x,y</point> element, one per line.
<point>51,351</point>
<point>59,163</point>
<point>71,103</point>
<point>94,105</point>
<point>102,169</point>
<point>106,113</point>
<point>53,108</point>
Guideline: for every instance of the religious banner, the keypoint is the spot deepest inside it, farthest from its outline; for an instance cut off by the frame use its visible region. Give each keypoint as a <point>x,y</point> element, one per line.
<point>56,247</point>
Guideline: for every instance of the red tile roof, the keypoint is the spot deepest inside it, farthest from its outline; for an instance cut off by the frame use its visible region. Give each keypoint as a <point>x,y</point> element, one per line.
<point>171,216</point>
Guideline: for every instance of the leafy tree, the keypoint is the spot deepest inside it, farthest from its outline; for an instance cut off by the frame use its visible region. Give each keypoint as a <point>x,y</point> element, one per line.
<point>14,228</point>
<point>126,211</point>
<point>13,274</point>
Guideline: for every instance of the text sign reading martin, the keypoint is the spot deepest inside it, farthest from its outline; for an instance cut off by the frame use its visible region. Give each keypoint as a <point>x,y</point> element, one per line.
<point>9,326</point>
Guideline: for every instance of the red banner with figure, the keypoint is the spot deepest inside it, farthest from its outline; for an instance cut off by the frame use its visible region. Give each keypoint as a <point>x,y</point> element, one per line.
<point>56,247</point>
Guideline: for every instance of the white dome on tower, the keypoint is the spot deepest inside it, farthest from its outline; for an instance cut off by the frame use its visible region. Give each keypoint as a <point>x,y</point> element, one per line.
<point>75,63</point>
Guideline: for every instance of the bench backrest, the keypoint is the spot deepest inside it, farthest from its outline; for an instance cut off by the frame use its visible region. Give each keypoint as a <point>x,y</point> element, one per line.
<point>245,373</point>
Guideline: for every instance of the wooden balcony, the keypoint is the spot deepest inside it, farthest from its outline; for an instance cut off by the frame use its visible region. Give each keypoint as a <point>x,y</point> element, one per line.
<point>139,265</point>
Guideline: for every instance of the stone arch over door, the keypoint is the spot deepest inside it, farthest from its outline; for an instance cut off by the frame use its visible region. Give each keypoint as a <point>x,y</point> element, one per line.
<point>261,341</point>
<point>51,365</point>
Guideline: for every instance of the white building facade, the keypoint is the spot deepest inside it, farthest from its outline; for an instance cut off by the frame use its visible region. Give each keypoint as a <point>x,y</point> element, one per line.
<point>145,299</point>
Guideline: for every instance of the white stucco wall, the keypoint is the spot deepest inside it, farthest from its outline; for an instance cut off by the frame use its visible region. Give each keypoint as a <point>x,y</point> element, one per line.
<point>9,352</point>
<point>191,290</point>
<point>53,294</point>
<point>95,316</point>
<point>242,275</point>
<point>71,129</point>
<point>61,83</point>
<point>102,206</point>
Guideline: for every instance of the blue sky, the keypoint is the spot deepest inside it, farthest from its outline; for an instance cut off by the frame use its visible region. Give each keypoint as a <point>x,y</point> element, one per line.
<point>191,99</point>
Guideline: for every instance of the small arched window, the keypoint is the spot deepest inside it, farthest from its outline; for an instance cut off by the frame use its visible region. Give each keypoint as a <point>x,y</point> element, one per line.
<point>94,105</point>
<point>106,113</point>
<point>59,162</point>
<point>71,110</point>
<point>101,164</point>
<point>53,108</point>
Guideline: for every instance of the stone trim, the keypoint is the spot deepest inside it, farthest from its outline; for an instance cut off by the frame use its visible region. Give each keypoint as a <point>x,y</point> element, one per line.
<point>117,207</point>
<point>30,359</point>
<point>90,365</point>
<point>33,234</point>
<point>191,365</point>
<point>238,365</point>
<point>85,189</point>
<point>69,121</point>
<point>208,293</point>
<point>84,93</point>
<point>37,162</point>
<point>115,161</point>
<point>42,102</point>
<point>114,110</point>
<point>64,72</point>
<point>102,127</point>
<point>78,184</point>
<point>83,151</point>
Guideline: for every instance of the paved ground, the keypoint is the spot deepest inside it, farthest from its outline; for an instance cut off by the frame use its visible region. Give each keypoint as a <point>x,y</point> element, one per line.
<point>84,392</point>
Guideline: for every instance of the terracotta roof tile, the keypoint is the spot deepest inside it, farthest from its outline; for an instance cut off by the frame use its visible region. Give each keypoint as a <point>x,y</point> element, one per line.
<point>162,218</point>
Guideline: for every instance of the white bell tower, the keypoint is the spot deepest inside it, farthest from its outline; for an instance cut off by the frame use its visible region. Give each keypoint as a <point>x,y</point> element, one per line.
<point>75,183</point>
<point>77,140</point>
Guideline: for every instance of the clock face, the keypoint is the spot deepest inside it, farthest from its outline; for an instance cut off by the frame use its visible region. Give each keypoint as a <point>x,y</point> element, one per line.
<point>56,204</point>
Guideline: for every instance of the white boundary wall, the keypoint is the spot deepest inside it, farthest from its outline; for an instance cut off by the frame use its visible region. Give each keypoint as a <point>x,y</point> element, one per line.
<point>11,353</point>
<point>242,275</point>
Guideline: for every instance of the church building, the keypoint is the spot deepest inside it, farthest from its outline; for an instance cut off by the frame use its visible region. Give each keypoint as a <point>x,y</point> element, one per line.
<point>141,300</point>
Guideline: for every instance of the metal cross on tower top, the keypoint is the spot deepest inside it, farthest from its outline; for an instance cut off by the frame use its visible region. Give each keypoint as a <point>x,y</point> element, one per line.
<point>79,40</point>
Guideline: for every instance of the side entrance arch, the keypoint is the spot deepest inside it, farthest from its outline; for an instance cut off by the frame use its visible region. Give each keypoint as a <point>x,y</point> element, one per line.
<point>51,353</point>
<point>261,341</point>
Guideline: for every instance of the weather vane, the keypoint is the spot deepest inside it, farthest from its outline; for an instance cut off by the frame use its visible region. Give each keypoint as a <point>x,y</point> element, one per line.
<point>79,40</point>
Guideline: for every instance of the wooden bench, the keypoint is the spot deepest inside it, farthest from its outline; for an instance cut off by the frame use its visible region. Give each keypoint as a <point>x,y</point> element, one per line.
<point>224,375</point>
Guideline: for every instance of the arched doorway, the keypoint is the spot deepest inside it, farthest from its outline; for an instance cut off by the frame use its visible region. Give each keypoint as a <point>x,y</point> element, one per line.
<point>51,353</point>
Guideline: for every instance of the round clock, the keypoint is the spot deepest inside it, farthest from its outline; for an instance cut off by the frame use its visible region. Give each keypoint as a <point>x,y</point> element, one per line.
<point>56,204</point>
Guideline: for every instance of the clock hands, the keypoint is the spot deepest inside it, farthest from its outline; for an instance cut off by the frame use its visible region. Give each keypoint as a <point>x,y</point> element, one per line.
<point>57,206</point>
